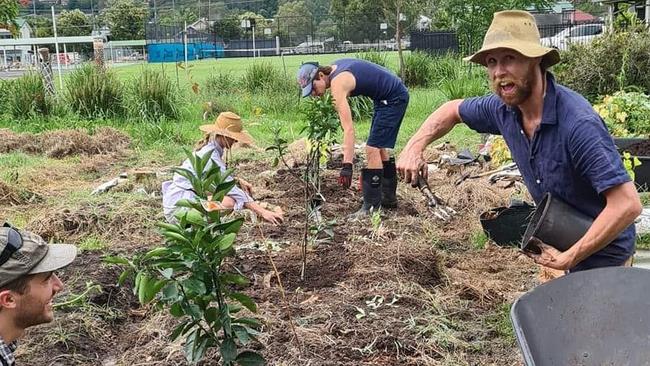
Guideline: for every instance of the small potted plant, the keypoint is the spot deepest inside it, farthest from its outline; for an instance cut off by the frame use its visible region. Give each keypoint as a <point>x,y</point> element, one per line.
<point>627,116</point>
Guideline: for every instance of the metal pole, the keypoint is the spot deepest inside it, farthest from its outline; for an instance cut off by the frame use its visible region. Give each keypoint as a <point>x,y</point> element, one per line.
<point>4,56</point>
<point>56,45</point>
<point>65,56</point>
<point>253,41</point>
<point>185,45</point>
<point>647,12</point>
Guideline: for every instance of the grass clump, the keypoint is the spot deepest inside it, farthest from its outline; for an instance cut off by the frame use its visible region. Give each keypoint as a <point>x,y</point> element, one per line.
<point>28,98</point>
<point>221,83</point>
<point>375,57</point>
<point>94,92</point>
<point>417,69</point>
<point>152,97</point>
<point>259,76</point>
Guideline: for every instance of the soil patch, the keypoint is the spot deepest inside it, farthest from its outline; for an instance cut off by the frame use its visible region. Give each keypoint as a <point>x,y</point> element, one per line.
<point>639,149</point>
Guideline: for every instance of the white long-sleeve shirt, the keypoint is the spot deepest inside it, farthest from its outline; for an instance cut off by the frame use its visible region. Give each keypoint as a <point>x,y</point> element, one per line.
<point>180,187</point>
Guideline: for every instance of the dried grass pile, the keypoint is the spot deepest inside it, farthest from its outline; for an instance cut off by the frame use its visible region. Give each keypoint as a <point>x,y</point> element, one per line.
<point>61,143</point>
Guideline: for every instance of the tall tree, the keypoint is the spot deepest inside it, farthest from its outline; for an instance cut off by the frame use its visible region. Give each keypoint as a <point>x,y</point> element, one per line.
<point>471,18</point>
<point>73,23</point>
<point>295,19</point>
<point>41,26</point>
<point>402,14</point>
<point>357,20</point>
<point>125,18</point>
<point>8,15</point>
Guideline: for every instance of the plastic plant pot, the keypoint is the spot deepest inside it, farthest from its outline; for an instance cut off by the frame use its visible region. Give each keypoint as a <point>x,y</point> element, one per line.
<point>506,225</point>
<point>555,223</point>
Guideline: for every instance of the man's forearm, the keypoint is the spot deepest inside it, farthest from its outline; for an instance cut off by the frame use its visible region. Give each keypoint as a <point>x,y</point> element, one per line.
<point>348,145</point>
<point>605,228</point>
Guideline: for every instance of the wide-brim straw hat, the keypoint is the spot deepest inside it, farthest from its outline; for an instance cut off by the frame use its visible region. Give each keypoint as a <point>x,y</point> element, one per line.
<point>228,124</point>
<point>515,30</point>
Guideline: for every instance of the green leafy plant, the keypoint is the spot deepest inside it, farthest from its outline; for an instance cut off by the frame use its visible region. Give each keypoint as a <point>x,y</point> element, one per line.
<point>28,97</point>
<point>618,60</point>
<point>630,163</point>
<point>94,92</point>
<point>188,275</point>
<point>626,114</point>
<point>417,69</point>
<point>152,97</point>
<point>322,124</point>
<point>464,87</point>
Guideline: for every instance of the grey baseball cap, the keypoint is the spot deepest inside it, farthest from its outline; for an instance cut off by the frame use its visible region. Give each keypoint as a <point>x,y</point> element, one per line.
<point>24,253</point>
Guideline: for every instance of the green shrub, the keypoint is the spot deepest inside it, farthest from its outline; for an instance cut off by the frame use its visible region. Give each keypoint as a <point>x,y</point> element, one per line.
<point>5,86</point>
<point>261,75</point>
<point>464,87</point>
<point>417,69</point>
<point>28,97</point>
<point>445,68</point>
<point>626,114</point>
<point>221,83</point>
<point>375,57</point>
<point>615,61</point>
<point>94,92</point>
<point>152,96</point>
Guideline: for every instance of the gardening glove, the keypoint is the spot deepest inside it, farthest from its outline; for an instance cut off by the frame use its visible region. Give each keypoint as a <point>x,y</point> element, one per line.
<point>345,178</point>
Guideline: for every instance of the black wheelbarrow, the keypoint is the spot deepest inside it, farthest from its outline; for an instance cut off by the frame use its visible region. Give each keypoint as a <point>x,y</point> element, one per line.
<point>591,318</point>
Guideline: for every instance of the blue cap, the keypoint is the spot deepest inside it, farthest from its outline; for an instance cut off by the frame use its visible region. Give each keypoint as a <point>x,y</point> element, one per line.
<point>306,75</point>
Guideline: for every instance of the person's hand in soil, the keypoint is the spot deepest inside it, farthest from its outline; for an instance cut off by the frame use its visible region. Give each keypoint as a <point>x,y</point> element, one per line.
<point>275,217</point>
<point>411,164</point>
<point>345,177</point>
<point>551,257</point>
<point>245,186</point>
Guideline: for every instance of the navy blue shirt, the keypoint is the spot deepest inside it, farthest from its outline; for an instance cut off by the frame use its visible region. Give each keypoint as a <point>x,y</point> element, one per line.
<point>372,80</point>
<point>571,155</point>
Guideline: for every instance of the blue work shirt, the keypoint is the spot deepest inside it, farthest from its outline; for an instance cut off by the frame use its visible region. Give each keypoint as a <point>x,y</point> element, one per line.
<point>571,155</point>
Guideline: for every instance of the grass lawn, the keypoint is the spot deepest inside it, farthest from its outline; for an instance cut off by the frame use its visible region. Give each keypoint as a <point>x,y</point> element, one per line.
<point>252,108</point>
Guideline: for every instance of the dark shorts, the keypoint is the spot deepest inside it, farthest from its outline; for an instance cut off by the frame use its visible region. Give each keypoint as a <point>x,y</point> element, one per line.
<point>386,120</point>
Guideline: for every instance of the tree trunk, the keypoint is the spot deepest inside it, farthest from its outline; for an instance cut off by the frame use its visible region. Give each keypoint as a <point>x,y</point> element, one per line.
<point>398,38</point>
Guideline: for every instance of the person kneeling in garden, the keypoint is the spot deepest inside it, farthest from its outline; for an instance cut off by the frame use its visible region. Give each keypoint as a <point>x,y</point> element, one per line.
<point>221,135</point>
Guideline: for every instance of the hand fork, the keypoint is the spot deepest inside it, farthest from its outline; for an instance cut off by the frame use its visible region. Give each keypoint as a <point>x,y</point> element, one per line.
<point>435,203</point>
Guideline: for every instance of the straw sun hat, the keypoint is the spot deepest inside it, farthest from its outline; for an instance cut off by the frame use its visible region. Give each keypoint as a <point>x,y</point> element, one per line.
<point>515,30</point>
<point>228,124</point>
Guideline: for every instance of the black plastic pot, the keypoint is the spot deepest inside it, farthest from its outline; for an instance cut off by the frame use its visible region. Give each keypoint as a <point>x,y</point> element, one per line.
<point>623,143</point>
<point>555,223</point>
<point>506,225</point>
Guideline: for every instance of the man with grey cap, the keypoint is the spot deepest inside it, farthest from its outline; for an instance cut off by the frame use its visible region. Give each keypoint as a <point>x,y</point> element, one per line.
<point>560,144</point>
<point>28,283</point>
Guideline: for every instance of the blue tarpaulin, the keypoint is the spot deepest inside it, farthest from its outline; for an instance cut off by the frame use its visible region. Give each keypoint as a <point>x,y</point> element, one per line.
<point>174,52</point>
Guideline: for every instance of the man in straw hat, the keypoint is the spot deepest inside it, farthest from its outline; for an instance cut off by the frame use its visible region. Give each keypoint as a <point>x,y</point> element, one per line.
<point>28,283</point>
<point>218,136</point>
<point>559,143</point>
<point>350,77</point>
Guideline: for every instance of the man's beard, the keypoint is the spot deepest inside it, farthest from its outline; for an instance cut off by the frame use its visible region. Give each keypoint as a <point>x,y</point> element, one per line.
<point>517,91</point>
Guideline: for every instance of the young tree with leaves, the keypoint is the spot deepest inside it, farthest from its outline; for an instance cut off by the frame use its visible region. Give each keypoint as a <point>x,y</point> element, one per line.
<point>8,15</point>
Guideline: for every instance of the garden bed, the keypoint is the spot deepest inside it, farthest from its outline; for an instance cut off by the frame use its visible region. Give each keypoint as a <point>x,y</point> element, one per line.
<point>412,291</point>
